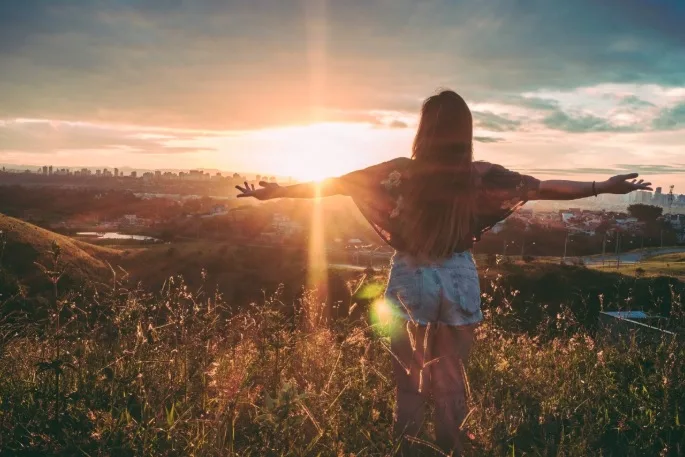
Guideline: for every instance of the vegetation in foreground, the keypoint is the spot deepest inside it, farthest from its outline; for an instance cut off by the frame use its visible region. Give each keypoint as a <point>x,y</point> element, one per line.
<point>125,372</point>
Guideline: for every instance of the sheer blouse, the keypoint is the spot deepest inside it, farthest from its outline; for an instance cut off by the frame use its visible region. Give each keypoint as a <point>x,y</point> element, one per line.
<point>377,192</point>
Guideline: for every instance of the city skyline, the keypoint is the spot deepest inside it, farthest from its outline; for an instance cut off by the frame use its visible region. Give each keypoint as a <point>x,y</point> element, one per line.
<point>312,88</point>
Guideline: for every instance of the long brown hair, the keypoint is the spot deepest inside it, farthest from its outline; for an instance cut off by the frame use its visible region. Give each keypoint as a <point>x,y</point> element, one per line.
<point>438,203</point>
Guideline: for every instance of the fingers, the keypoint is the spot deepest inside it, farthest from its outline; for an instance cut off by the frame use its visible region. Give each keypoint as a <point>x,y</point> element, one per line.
<point>628,176</point>
<point>263,183</point>
<point>241,189</point>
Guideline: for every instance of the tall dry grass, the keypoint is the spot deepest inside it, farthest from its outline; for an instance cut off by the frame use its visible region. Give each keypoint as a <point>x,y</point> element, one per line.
<point>122,371</point>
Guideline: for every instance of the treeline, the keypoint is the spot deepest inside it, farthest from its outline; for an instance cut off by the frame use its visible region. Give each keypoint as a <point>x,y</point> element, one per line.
<point>51,205</point>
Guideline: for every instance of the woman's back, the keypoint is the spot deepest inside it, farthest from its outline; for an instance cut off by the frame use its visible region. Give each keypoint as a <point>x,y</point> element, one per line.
<point>380,193</point>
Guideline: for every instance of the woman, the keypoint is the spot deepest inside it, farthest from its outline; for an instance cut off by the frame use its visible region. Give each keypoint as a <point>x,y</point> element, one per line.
<point>431,209</point>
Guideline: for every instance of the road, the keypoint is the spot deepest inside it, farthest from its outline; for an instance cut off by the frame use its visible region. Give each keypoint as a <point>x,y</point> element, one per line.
<point>632,257</point>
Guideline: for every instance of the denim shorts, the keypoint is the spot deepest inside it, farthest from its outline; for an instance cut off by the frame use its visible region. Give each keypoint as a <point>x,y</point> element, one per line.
<point>447,291</point>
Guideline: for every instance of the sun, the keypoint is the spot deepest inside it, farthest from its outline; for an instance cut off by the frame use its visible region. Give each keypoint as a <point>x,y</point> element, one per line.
<point>313,152</point>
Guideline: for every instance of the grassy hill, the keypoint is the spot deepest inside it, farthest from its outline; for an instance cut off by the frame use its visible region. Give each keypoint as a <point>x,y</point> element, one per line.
<point>23,246</point>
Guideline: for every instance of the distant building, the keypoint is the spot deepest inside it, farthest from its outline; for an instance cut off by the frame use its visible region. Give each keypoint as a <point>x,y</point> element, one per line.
<point>116,172</point>
<point>45,170</point>
<point>134,174</point>
<point>50,170</point>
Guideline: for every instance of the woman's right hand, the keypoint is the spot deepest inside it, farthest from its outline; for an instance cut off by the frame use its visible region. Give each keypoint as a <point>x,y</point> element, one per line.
<point>266,191</point>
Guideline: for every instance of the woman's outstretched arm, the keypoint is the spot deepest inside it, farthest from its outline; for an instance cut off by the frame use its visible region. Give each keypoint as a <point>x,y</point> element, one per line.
<point>571,190</point>
<point>267,191</point>
<point>359,182</point>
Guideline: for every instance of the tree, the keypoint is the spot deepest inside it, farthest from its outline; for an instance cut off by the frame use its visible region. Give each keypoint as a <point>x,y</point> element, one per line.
<point>645,213</point>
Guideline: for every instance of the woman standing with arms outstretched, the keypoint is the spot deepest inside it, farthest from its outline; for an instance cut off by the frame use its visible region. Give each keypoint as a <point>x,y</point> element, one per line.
<point>431,208</point>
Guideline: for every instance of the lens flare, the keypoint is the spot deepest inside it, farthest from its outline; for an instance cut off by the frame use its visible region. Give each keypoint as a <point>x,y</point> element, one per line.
<point>381,317</point>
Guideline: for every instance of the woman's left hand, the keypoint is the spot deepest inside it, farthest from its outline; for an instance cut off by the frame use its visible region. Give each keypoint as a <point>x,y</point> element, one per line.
<point>623,184</point>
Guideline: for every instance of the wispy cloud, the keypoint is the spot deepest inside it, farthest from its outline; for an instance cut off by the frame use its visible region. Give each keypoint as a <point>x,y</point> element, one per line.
<point>583,123</point>
<point>44,136</point>
<point>487,139</point>
<point>495,122</point>
<point>634,101</point>
<point>671,118</point>
<point>617,170</point>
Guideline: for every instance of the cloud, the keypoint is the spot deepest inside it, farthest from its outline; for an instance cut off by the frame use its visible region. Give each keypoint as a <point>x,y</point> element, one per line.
<point>42,136</point>
<point>531,102</point>
<point>397,124</point>
<point>583,123</point>
<point>653,169</point>
<point>670,118</point>
<point>495,122</point>
<point>633,101</point>
<point>238,65</point>
<point>488,139</point>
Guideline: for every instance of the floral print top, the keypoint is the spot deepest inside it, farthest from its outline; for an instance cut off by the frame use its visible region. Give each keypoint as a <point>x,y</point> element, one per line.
<point>377,192</point>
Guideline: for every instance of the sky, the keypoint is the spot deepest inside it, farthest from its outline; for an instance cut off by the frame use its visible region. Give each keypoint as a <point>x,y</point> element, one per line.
<point>559,89</point>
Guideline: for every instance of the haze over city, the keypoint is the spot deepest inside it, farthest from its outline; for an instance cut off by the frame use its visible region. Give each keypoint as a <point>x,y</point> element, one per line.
<point>313,88</point>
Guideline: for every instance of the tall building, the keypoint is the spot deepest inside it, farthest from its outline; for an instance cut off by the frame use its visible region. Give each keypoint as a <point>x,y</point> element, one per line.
<point>134,174</point>
<point>50,170</point>
<point>45,170</point>
<point>641,197</point>
<point>116,172</point>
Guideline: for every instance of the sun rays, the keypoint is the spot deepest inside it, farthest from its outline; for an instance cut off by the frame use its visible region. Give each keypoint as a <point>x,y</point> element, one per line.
<point>317,265</point>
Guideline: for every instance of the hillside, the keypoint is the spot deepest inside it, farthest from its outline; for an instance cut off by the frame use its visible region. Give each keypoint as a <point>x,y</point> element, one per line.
<point>23,246</point>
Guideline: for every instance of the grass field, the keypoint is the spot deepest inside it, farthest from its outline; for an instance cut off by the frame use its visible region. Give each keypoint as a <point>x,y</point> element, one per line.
<point>182,371</point>
<point>663,265</point>
<point>170,374</point>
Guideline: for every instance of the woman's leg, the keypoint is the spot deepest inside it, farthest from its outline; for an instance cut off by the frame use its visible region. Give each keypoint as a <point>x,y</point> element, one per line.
<point>410,395</point>
<point>451,347</point>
